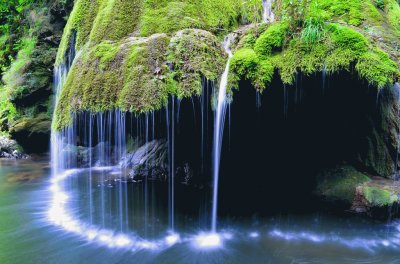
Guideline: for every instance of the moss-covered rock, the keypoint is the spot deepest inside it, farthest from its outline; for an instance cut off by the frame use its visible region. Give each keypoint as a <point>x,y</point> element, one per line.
<point>340,184</point>
<point>138,73</point>
<point>80,22</point>
<point>33,134</point>
<point>170,16</point>
<point>331,47</point>
<point>195,54</point>
<point>378,197</point>
<point>115,20</point>
<point>120,69</point>
<point>26,82</point>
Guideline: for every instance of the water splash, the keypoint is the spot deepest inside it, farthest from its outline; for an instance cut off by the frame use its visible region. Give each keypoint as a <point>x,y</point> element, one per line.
<point>219,131</point>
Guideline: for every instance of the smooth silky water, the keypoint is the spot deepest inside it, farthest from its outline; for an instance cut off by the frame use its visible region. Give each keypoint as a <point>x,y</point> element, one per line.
<point>28,236</point>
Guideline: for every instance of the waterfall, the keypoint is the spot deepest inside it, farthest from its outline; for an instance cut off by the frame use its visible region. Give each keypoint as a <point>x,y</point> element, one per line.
<point>268,15</point>
<point>219,130</point>
<point>396,165</point>
<point>60,76</point>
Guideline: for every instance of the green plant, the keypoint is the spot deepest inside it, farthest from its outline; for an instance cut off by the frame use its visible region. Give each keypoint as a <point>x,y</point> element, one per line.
<point>380,4</point>
<point>313,31</point>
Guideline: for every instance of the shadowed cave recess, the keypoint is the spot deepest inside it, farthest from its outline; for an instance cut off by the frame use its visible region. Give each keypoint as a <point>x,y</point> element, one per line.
<point>275,144</point>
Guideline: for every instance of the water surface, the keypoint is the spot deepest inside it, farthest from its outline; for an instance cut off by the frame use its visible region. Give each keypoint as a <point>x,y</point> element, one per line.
<point>28,236</point>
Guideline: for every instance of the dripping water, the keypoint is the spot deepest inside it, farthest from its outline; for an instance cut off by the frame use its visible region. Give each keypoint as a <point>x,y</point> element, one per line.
<point>219,130</point>
<point>268,15</point>
<point>396,165</point>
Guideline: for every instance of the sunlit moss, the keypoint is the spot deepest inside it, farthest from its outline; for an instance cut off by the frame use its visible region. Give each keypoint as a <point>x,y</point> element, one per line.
<point>246,64</point>
<point>272,39</point>
<point>120,69</point>
<point>377,68</point>
<point>134,75</point>
<point>333,48</point>
<point>170,16</point>
<point>195,54</point>
<point>379,197</point>
<point>116,19</point>
<point>80,21</point>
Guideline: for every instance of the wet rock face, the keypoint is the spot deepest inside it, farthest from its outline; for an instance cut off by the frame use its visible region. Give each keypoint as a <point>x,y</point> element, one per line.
<point>381,143</point>
<point>10,149</point>
<point>33,134</point>
<point>149,160</point>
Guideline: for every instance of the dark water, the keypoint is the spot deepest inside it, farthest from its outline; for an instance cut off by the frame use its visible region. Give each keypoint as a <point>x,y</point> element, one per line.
<point>28,236</point>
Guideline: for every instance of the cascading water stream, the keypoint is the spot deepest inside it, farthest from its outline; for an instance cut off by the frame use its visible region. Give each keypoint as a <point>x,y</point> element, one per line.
<point>268,15</point>
<point>396,165</point>
<point>218,131</point>
<point>60,76</point>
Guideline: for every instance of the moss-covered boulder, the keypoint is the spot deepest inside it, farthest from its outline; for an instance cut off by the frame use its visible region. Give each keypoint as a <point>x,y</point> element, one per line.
<point>378,197</point>
<point>357,192</point>
<point>339,184</point>
<point>138,73</point>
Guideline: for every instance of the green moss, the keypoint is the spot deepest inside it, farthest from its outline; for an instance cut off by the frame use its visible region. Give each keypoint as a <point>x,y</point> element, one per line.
<point>38,124</point>
<point>350,12</point>
<point>195,54</point>
<point>145,71</point>
<point>271,40</point>
<point>15,78</point>
<point>106,52</point>
<point>80,21</point>
<point>377,68</point>
<point>348,46</point>
<point>300,57</point>
<point>116,19</point>
<point>8,112</point>
<point>392,11</point>
<point>379,197</point>
<point>119,69</point>
<point>318,47</point>
<point>246,64</point>
<point>340,184</point>
<point>162,16</point>
<point>135,75</point>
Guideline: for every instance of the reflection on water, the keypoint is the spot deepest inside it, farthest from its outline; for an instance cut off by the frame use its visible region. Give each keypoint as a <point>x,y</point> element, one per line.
<point>27,236</point>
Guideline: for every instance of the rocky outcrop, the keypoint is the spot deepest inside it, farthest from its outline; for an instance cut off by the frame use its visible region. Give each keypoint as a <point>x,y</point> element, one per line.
<point>149,160</point>
<point>358,192</point>
<point>339,184</point>
<point>26,86</point>
<point>10,149</point>
<point>32,133</point>
<point>378,197</point>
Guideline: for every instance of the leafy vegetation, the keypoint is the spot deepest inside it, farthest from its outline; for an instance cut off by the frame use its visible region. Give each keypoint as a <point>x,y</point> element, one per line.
<point>29,35</point>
